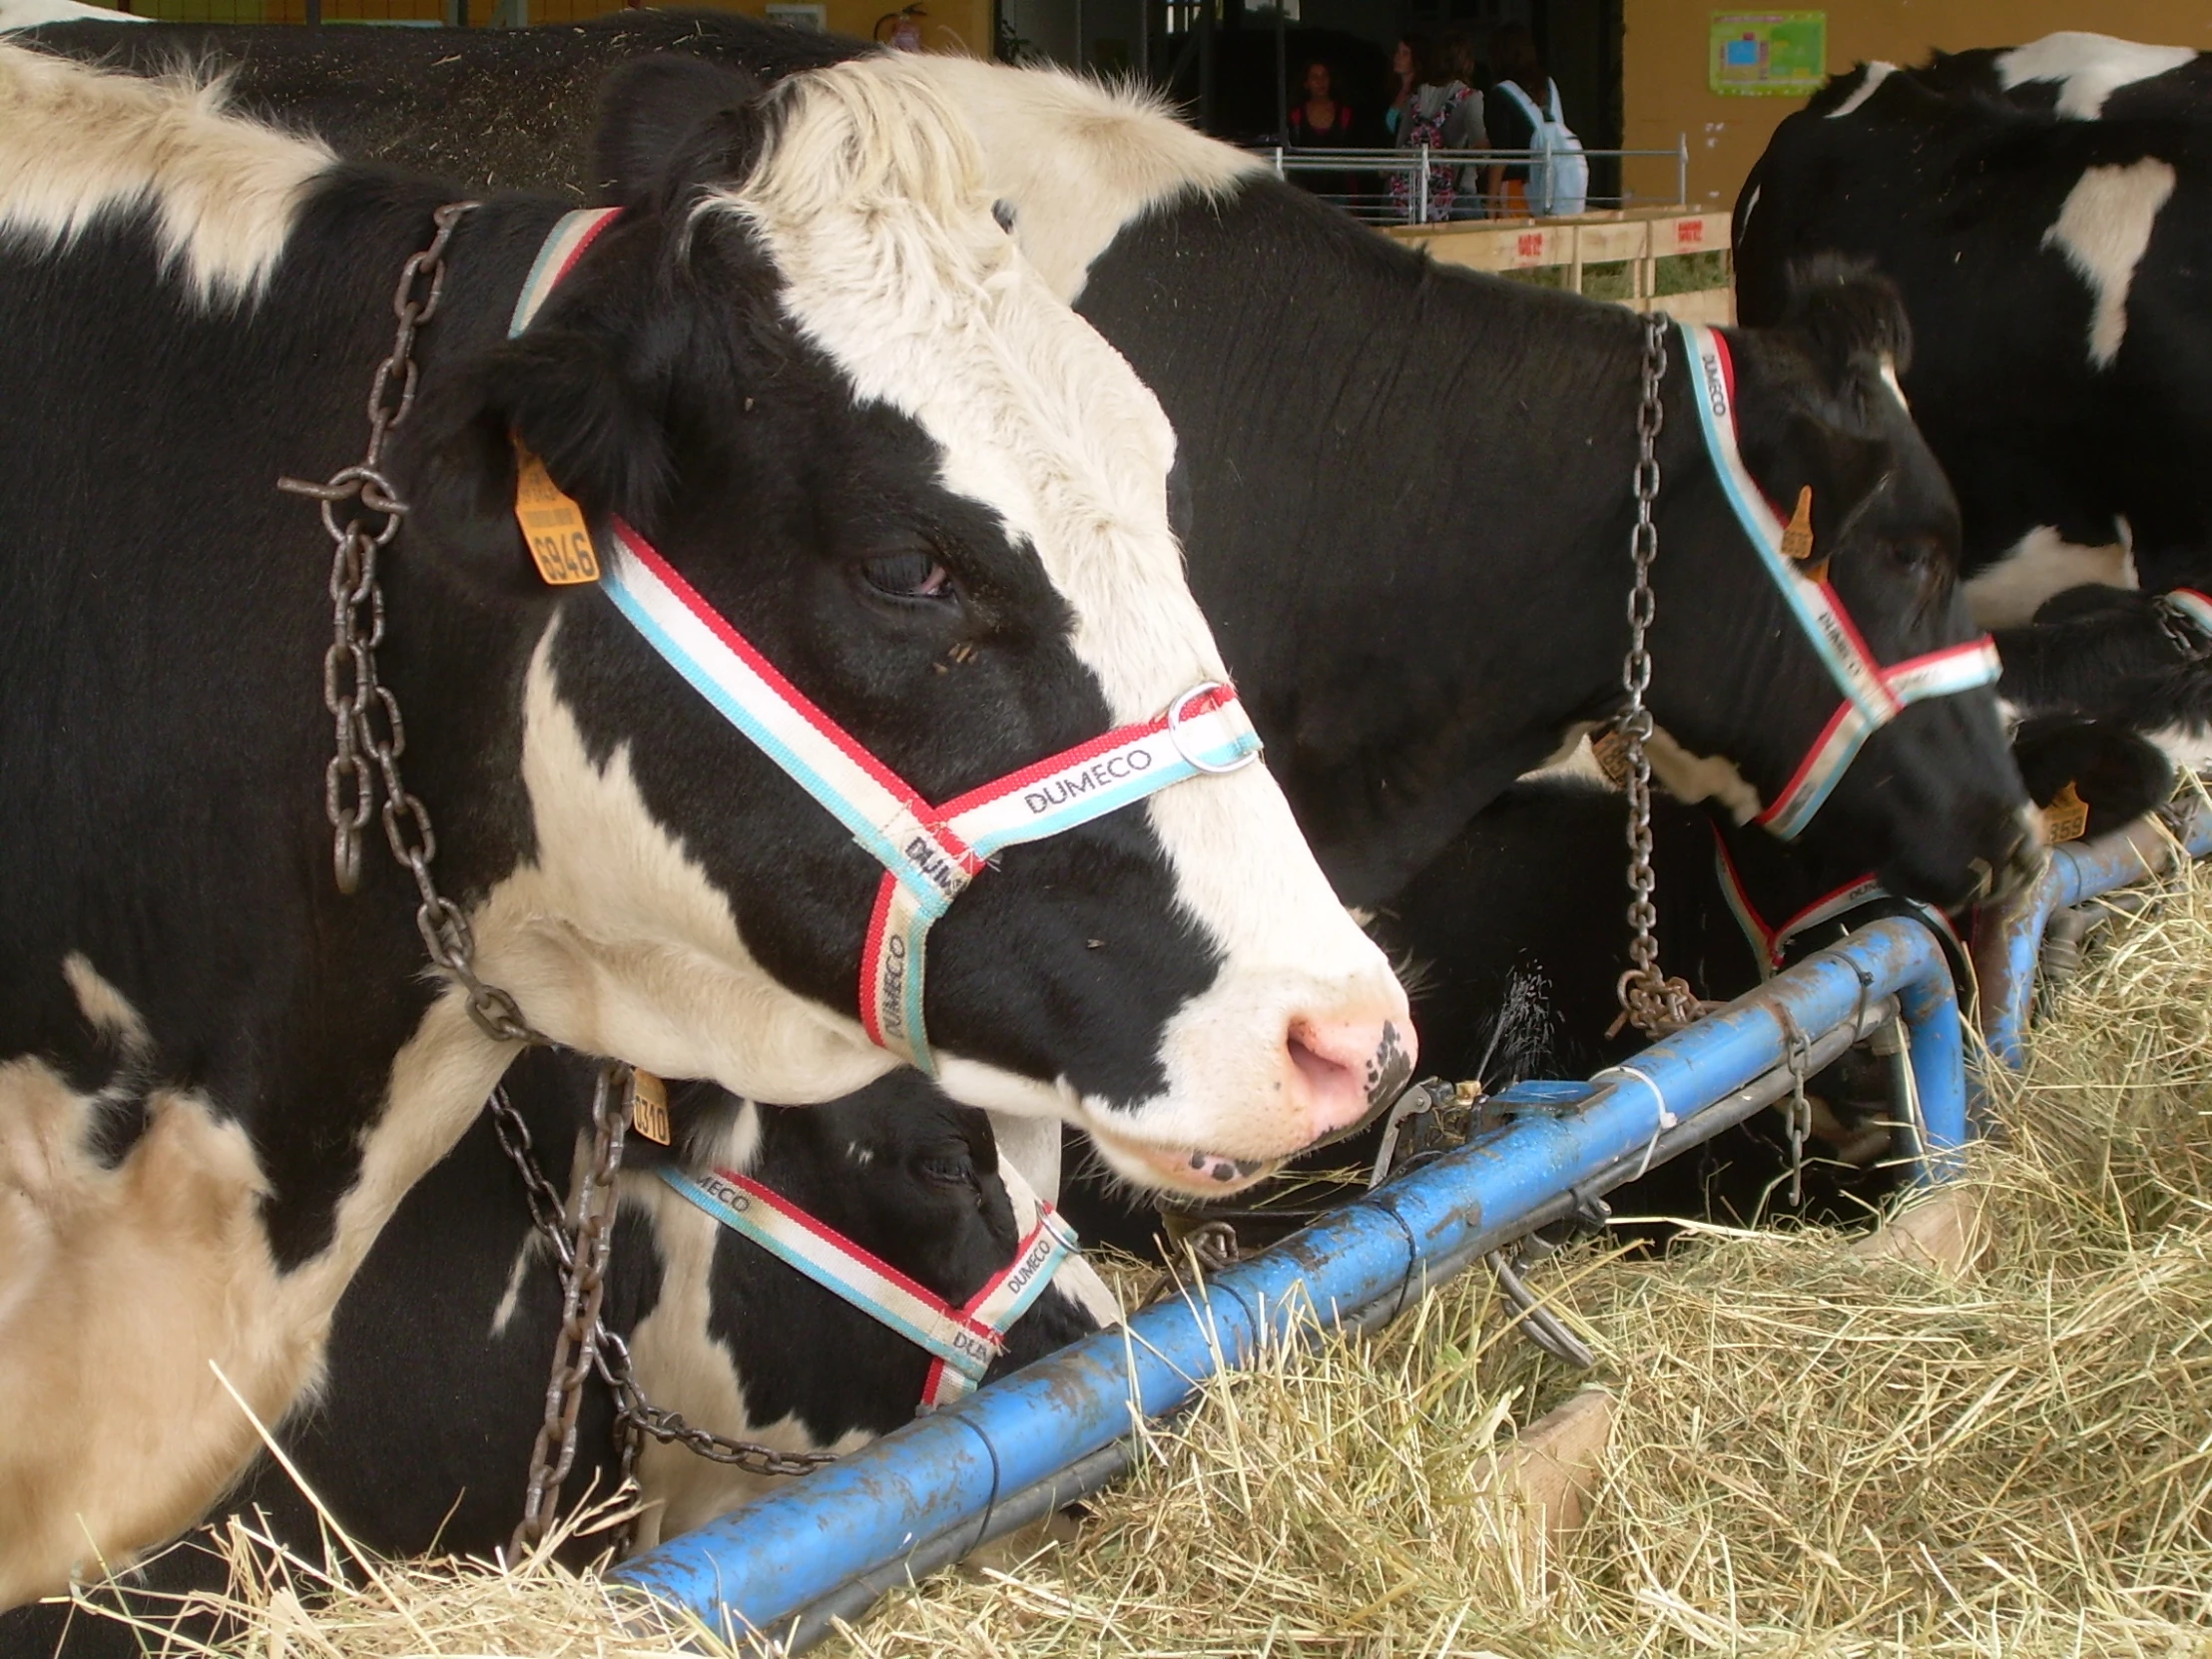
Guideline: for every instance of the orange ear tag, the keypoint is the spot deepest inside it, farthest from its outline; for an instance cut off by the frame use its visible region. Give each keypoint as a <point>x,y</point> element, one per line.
<point>1797,539</point>
<point>649,1107</point>
<point>1610,751</point>
<point>2067,818</point>
<point>552,524</point>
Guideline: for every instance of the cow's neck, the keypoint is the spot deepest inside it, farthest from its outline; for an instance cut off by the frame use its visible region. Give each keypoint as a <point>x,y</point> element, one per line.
<point>1366,426</point>
<point>232,1071</point>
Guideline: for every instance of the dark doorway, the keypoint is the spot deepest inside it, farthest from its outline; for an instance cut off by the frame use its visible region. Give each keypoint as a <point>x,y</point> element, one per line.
<point>1230,62</point>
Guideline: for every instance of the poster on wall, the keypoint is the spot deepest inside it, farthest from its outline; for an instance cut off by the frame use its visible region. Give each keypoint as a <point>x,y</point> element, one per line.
<point>1779,54</point>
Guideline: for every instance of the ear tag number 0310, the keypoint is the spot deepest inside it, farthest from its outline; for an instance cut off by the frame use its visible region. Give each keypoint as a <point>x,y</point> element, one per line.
<point>649,1107</point>
<point>552,524</point>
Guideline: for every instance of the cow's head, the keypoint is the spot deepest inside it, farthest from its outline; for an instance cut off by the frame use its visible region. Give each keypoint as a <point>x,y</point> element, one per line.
<point>809,366</point>
<point>745,1344</point>
<point>1745,698</point>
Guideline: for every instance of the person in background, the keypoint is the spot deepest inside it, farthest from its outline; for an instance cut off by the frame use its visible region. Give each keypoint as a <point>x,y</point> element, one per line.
<point>1321,121</point>
<point>1430,110</point>
<point>1458,52</point>
<point>1522,95</point>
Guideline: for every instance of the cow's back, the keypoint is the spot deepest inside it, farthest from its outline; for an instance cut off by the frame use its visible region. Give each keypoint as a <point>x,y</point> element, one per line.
<point>2049,269</point>
<point>516,108</point>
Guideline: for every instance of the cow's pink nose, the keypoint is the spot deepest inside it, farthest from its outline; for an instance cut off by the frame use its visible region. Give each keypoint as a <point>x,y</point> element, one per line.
<point>1342,1072</point>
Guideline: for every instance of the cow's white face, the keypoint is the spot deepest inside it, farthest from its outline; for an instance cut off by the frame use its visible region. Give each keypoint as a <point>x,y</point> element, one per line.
<point>1232,1014</point>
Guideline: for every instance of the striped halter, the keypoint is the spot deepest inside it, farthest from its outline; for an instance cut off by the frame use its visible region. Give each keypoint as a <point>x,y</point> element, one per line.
<point>961,1341</point>
<point>930,853</point>
<point>1770,941</point>
<point>1873,696</point>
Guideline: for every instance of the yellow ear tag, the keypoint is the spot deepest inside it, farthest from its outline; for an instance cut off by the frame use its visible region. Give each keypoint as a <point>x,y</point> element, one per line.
<point>2067,818</point>
<point>1610,751</point>
<point>552,524</point>
<point>1797,540</point>
<point>649,1106</point>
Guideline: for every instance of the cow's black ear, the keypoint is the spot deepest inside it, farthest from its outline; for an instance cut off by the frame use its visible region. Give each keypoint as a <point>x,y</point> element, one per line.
<point>570,402</point>
<point>657,112</point>
<point>1849,316</point>
<point>2117,774</point>
<point>560,395</point>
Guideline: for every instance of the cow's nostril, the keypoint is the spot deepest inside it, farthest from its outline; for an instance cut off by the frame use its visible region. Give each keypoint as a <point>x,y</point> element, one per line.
<point>1341,1071</point>
<point>1323,1075</point>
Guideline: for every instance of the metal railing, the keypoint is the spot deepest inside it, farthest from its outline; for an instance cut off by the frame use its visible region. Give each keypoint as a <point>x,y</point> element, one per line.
<point>1394,186</point>
<point>2009,939</point>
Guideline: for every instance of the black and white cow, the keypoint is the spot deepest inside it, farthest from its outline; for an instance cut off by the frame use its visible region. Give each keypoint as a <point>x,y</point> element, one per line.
<point>810,367</point>
<point>2050,267</point>
<point>419,1434</point>
<point>1406,485</point>
<point>1404,685</point>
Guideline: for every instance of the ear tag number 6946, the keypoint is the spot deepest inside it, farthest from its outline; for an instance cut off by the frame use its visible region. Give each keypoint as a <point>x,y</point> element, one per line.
<point>552,524</point>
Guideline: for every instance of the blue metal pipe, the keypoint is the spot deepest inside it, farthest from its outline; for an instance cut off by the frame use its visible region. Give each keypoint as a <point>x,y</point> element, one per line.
<point>755,1570</point>
<point>2008,942</point>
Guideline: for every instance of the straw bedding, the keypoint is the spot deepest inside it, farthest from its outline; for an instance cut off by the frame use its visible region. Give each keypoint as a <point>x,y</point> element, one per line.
<point>1814,1452</point>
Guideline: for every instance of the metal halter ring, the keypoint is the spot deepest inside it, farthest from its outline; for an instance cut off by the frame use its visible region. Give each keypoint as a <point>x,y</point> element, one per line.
<point>1175,731</point>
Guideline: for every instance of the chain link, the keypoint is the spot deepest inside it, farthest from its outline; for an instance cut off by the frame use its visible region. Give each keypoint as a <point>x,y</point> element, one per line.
<point>1653,1003</point>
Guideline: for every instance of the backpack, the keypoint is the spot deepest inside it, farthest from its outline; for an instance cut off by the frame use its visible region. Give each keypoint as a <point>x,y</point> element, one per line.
<point>1558,172</point>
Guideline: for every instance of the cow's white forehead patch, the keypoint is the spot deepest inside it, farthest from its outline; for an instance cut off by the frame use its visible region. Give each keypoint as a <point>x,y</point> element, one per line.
<point>1078,160</point>
<point>79,145</point>
<point>2104,230</point>
<point>873,206</point>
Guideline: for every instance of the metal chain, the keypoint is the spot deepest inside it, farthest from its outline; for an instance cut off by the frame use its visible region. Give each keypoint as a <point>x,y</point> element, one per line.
<point>638,1416</point>
<point>1210,1246</point>
<point>1653,1003</point>
<point>635,1416</point>
<point>368,735</point>
<point>1797,1054</point>
<point>583,1289</point>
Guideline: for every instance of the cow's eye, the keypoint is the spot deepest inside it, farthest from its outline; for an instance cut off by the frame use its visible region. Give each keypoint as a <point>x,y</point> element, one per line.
<point>947,1169</point>
<point>919,574</point>
<point>1917,555</point>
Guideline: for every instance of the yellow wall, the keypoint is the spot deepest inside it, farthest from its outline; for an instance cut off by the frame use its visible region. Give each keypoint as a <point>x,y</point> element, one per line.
<point>1663,66</point>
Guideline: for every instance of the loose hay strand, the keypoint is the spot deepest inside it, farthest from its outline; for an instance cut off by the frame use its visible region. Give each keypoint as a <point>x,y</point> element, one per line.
<point>1813,1452</point>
